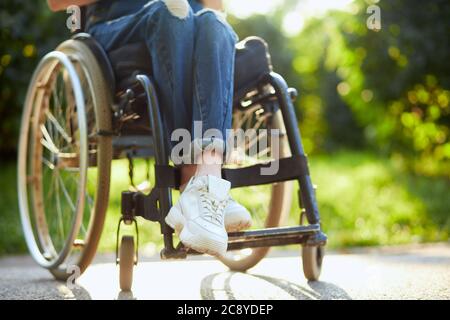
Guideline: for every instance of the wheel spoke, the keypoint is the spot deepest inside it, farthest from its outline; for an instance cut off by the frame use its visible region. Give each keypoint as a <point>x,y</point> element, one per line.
<point>261,121</point>
<point>49,146</point>
<point>51,187</point>
<point>73,170</point>
<point>58,108</point>
<point>69,200</point>
<point>47,140</point>
<point>253,140</point>
<point>66,193</point>
<point>58,127</point>
<point>56,99</point>
<point>90,200</point>
<point>50,165</point>
<point>83,229</point>
<point>59,211</point>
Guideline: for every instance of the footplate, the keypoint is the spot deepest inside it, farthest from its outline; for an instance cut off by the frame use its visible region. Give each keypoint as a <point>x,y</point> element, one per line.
<point>273,237</point>
<point>307,235</point>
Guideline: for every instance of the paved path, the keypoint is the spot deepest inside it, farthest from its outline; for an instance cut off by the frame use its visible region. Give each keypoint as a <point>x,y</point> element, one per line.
<point>413,272</point>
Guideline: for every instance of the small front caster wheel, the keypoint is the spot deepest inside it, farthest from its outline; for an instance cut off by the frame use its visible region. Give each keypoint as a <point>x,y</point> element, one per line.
<point>126,262</point>
<point>312,257</point>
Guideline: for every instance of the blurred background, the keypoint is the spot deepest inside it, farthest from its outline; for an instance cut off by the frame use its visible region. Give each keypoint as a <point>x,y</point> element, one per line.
<point>373,110</point>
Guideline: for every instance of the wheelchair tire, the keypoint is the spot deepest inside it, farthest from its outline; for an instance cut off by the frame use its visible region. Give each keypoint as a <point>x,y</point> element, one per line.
<point>312,258</point>
<point>62,155</point>
<point>126,263</point>
<point>278,209</point>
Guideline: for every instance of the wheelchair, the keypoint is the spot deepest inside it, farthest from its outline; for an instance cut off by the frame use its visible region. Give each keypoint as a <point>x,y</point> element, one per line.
<point>85,107</point>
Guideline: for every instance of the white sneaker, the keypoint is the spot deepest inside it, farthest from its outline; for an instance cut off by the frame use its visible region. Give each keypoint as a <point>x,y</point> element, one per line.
<point>198,215</point>
<point>237,217</point>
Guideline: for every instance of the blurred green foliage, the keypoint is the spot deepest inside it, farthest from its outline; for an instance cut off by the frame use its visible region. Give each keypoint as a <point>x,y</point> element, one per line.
<point>387,90</point>
<point>28,30</point>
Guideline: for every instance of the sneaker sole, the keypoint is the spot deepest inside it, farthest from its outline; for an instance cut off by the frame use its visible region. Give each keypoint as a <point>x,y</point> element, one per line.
<point>202,243</point>
<point>236,227</point>
<point>197,242</point>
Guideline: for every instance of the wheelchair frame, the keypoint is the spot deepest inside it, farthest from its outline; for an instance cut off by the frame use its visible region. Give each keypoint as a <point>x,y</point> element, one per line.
<point>156,205</point>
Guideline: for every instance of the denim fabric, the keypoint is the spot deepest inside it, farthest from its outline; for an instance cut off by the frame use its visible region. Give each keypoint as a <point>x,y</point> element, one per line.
<point>192,61</point>
<point>195,5</point>
<point>105,10</point>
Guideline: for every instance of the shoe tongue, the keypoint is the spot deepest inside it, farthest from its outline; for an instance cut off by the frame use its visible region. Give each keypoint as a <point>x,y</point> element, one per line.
<point>220,188</point>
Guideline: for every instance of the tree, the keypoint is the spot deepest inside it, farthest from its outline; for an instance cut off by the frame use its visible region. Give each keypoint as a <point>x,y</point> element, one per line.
<point>28,30</point>
<point>394,82</point>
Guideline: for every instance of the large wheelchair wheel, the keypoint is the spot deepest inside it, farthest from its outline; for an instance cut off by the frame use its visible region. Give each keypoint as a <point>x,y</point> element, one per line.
<point>275,201</point>
<point>64,160</point>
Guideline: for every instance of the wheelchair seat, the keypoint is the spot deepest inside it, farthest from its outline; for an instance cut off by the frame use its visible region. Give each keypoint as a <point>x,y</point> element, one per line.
<point>252,63</point>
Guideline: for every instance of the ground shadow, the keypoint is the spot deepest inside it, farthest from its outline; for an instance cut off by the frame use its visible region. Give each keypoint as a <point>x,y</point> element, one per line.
<point>211,289</point>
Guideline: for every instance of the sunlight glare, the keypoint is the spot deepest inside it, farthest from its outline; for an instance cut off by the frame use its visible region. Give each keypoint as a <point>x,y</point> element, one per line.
<point>245,8</point>
<point>294,20</point>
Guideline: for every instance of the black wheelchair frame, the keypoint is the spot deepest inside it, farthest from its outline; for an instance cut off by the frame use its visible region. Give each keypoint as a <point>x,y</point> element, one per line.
<point>155,206</point>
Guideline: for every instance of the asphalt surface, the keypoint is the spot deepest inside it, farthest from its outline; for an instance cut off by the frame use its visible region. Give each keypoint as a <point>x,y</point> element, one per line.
<point>412,272</point>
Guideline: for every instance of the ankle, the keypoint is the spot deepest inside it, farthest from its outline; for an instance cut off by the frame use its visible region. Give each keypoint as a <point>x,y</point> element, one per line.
<point>210,164</point>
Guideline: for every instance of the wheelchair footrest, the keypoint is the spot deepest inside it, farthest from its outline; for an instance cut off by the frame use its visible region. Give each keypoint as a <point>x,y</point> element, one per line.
<point>272,237</point>
<point>307,235</point>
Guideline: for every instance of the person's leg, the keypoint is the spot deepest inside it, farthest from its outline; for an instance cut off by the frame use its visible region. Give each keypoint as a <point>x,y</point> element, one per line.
<point>214,52</point>
<point>214,55</point>
<point>210,165</point>
<point>168,29</point>
<point>193,84</point>
<point>213,74</point>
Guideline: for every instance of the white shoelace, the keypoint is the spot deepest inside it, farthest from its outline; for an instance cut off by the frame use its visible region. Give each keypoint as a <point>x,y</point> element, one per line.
<point>214,209</point>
